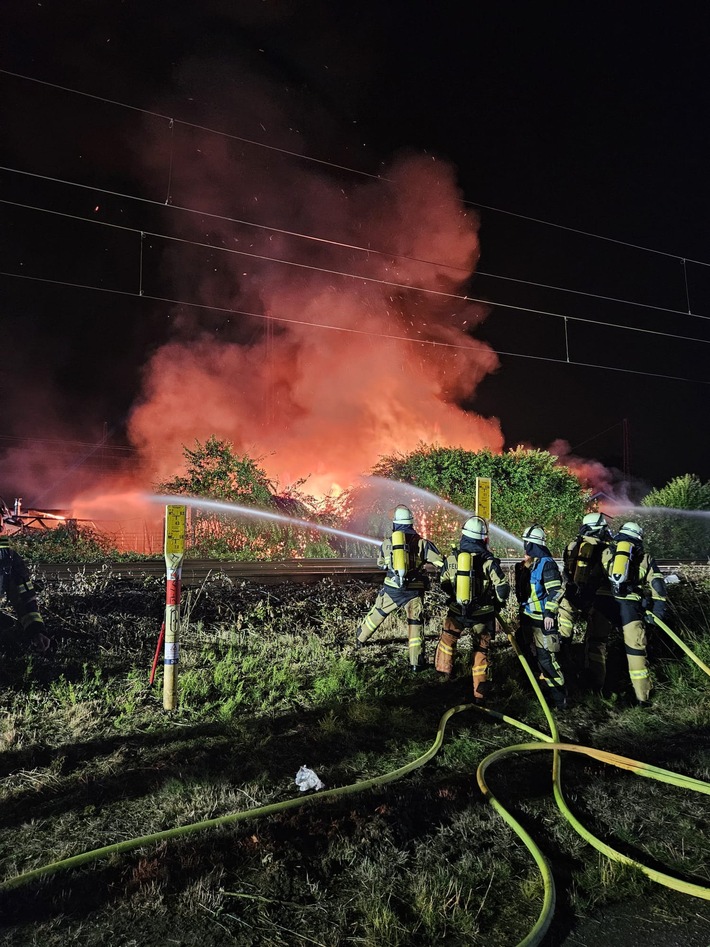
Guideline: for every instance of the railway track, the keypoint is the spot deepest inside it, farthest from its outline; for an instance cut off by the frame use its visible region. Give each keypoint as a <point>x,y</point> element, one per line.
<point>195,571</point>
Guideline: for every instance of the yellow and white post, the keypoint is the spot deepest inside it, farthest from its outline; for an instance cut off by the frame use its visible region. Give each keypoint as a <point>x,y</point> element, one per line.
<point>483,498</point>
<point>175,517</point>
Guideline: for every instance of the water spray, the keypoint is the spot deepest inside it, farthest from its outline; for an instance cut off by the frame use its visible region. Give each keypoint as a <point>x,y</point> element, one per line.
<point>410,492</point>
<point>236,510</point>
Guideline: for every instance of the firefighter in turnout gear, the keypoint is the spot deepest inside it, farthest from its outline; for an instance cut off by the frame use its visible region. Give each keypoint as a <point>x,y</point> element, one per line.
<point>634,578</point>
<point>17,587</point>
<point>538,588</point>
<point>587,595</point>
<point>403,554</point>
<point>477,589</point>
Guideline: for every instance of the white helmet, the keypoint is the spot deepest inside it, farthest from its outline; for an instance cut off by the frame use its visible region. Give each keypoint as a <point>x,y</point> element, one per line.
<point>403,516</point>
<point>475,527</point>
<point>594,522</point>
<point>534,534</point>
<point>632,530</point>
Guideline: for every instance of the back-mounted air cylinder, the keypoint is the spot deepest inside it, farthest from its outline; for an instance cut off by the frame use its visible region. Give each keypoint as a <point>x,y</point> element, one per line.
<point>620,564</point>
<point>400,555</point>
<point>463,578</point>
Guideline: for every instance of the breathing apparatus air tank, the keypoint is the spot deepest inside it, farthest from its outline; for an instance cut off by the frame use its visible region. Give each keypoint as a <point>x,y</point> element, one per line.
<point>400,556</point>
<point>463,578</point>
<point>620,564</point>
<point>583,563</point>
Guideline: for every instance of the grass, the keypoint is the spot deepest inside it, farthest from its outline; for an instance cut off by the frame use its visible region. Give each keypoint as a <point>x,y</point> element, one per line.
<point>269,680</point>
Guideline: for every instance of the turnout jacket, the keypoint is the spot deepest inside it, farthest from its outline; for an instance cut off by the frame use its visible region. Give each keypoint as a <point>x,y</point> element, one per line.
<point>644,583</point>
<point>16,585</point>
<point>584,572</point>
<point>490,585</point>
<point>419,552</point>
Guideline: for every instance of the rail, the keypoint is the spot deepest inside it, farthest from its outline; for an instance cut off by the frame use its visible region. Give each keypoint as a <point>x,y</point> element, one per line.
<point>195,571</point>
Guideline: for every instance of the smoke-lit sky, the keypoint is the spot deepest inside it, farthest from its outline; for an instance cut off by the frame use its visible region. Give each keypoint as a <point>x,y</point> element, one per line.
<point>286,262</point>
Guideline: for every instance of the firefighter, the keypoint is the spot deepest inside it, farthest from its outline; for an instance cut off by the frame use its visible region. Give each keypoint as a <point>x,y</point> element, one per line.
<point>587,595</point>
<point>477,589</point>
<point>634,577</point>
<point>403,554</point>
<point>17,587</point>
<point>538,588</point>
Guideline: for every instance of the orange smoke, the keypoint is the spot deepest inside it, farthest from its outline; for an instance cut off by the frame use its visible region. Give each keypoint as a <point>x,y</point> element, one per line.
<point>592,474</point>
<point>337,371</point>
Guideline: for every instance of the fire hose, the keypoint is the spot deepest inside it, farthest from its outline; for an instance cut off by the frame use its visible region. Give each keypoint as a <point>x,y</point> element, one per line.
<point>550,743</point>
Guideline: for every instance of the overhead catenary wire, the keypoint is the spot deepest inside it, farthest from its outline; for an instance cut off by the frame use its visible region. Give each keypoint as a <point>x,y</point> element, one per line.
<point>356,171</point>
<point>142,234</point>
<point>485,301</point>
<point>171,123</point>
<point>314,238</point>
<point>354,331</point>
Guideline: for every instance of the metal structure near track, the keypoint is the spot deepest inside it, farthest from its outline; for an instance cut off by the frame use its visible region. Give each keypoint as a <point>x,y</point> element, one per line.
<point>195,571</point>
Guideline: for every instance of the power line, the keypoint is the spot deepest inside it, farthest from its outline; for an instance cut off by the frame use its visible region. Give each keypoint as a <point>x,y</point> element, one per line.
<point>579,292</point>
<point>586,233</point>
<point>356,171</point>
<point>324,240</point>
<point>204,128</point>
<point>51,442</point>
<point>595,436</point>
<point>339,273</point>
<point>346,275</point>
<point>321,325</point>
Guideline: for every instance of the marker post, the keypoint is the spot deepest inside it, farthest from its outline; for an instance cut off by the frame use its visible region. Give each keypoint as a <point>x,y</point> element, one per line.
<point>175,517</point>
<point>483,498</point>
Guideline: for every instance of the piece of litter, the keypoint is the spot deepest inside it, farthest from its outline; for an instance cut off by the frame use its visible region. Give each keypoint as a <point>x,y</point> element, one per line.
<point>307,779</point>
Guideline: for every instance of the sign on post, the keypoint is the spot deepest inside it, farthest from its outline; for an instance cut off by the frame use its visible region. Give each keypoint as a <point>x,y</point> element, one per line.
<point>483,498</point>
<point>175,517</point>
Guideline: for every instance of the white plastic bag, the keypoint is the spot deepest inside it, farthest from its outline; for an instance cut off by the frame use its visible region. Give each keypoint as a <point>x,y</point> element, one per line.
<point>307,779</point>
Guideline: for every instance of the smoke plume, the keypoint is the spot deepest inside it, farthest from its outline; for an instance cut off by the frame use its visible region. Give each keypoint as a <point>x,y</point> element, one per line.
<point>307,352</point>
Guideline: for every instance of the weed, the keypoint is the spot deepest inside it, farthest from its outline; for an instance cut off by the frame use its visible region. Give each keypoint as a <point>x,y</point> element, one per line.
<point>269,680</point>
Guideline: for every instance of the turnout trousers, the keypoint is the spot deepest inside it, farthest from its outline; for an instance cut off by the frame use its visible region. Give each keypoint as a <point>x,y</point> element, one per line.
<point>599,619</point>
<point>627,614</point>
<point>389,600</point>
<point>532,641</point>
<point>482,632</point>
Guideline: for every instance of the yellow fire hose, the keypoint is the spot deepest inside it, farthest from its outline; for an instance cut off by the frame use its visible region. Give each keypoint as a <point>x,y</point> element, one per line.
<point>549,743</point>
<point>552,743</point>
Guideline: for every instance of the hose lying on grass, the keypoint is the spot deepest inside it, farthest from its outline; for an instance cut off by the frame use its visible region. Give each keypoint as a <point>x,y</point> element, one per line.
<point>548,743</point>
<point>552,743</point>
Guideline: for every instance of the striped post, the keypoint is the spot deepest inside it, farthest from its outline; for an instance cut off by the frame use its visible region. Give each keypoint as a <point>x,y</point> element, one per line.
<point>174,553</point>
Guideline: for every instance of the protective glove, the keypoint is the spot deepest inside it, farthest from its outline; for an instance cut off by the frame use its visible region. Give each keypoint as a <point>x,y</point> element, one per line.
<point>36,637</point>
<point>40,642</point>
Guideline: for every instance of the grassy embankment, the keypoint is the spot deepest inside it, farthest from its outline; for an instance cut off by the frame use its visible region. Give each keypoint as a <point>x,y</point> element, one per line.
<point>270,681</point>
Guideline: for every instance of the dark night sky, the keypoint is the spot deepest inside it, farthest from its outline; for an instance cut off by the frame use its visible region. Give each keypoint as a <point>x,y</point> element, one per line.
<point>559,113</point>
